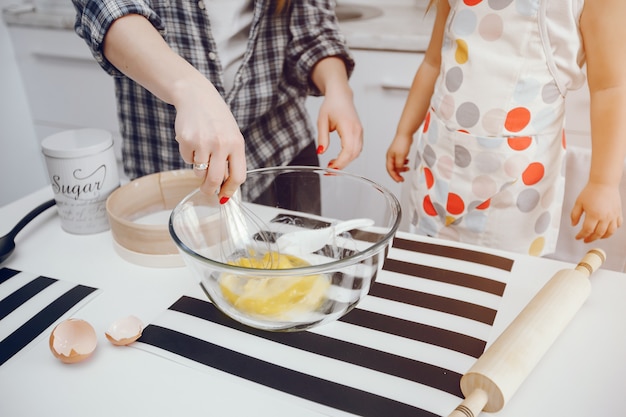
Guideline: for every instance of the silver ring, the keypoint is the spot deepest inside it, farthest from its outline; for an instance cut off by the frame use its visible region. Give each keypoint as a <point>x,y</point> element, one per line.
<point>201,167</point>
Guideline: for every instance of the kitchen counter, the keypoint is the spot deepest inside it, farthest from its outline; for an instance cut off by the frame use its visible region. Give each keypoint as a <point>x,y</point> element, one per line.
<point>580,376</point>
<point>402,28</point>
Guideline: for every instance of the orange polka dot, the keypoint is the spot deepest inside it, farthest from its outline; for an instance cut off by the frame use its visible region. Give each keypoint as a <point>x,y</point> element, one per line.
<point>519,143</point>
<point>517,119</point>
<point>462,52</point>
<point>426,122</point>
<point>484,205</point>
<point>455,204</point>
<point>533,173</point>
<point>429,208</point>
<point>430,180</point>
<point>563,141</point>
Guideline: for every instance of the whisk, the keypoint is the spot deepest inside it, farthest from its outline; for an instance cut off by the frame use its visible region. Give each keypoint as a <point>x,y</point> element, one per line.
<point>245,235</point>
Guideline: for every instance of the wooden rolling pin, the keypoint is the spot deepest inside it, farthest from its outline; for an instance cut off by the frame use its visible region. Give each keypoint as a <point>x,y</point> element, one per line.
<point>502,368</point>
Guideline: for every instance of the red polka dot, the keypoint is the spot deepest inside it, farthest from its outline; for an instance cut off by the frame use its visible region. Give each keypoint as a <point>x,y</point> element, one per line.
<point>455,204</point>
<point>426,122</point>
<point>463,131</point>
<point>430,180</point>
<point>517,119</point>
<point>533,173</point>
<point>429,208</point>
<point>472,2</point>
<point>484,205</point>
<point>519,143</point>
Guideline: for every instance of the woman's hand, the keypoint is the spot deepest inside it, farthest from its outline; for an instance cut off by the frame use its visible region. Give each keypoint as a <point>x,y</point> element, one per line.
<point>337,112</point>
<point>206,130</point>
<point>208,137</point>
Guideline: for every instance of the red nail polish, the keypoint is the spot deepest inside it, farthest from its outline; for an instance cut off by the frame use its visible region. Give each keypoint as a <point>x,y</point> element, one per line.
<point>320,149</point>
<point>224,200</point>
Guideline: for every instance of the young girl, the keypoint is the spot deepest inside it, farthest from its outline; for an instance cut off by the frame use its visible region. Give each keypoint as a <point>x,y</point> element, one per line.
<point>490,97</point>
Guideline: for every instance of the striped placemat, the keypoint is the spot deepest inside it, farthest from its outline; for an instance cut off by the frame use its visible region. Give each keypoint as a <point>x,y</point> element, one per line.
<point>30,304</point>
<point>401,352</point>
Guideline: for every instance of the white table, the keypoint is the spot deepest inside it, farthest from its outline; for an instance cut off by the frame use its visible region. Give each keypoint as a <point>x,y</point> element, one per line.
<point>581,375</point>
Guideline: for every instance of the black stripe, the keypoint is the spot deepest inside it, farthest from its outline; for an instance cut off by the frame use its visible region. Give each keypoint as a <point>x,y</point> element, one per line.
<point>443,275</point>
<point>455,253</point>
<point>305,386</point>
<point>434,302</point>
<point>420,372</point>
<point>6,273</point>
<point>41,321</point>
<point>23,294</point>
<point>416,331</point>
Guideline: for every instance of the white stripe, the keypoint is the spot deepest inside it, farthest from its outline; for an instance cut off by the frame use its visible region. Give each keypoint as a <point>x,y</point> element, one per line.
<point>14,283</point>
<point>426,316</point>
<point>457,265</point>
<point>442,289</point>
<point>30,308</point>
<point>397,345</point>
<point>375,382</point>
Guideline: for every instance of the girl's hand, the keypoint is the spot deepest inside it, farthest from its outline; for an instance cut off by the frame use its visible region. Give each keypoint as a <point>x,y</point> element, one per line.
<point>397,157</point>
<point>602,209</point>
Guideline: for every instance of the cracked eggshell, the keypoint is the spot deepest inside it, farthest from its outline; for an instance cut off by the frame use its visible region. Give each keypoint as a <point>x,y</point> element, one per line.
<point>73,340</point>
<point>124,331</point>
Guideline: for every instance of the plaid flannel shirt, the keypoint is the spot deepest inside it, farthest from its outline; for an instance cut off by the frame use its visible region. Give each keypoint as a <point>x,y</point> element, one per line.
<point>270,88</point>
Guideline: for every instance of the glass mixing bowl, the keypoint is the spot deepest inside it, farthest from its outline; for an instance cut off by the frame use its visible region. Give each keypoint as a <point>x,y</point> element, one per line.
<point>296,290</point>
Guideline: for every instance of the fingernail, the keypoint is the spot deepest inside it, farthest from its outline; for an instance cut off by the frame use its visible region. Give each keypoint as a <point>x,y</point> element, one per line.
<point>224,200</point>
<point>320,149</point>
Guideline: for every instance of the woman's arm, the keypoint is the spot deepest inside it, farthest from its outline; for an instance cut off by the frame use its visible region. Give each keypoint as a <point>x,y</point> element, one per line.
<point>337,112</point>
<point>205,128</point>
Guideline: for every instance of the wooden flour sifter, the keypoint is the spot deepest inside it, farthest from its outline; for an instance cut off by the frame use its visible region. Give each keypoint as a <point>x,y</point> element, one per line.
<point>501,369</point>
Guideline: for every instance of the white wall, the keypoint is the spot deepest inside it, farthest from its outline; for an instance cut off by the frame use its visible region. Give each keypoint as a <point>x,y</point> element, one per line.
<point>22,170</point>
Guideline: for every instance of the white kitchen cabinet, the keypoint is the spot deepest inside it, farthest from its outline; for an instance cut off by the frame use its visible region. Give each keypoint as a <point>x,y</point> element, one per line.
<point>380,82</point>
<point>66,88</point>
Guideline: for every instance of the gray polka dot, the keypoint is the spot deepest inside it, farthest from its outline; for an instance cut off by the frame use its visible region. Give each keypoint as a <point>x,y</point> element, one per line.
<point>441,211</point>
<point>473,204</point>
<point>418,160</point>
<point>499,4</point>
<point>487,162</point>
<point>429,156</point>
<point>462,157</point>
<point>527,200</point>
<point>454,79</point>
<point>467,114</point>
<point>415,218</point>
<point>476,221</point>
<point>543,222</point>
<point>550,92</point>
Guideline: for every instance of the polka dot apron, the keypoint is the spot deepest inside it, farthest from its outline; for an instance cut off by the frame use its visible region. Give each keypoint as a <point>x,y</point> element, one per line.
<point>489,168</point>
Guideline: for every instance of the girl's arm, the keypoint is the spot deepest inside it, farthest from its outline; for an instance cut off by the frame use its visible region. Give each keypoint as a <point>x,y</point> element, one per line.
<point>418,100</point>
<point>603,30</point>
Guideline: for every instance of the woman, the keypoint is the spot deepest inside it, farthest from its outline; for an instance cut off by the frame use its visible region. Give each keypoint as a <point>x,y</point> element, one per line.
<point>221,84</point>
